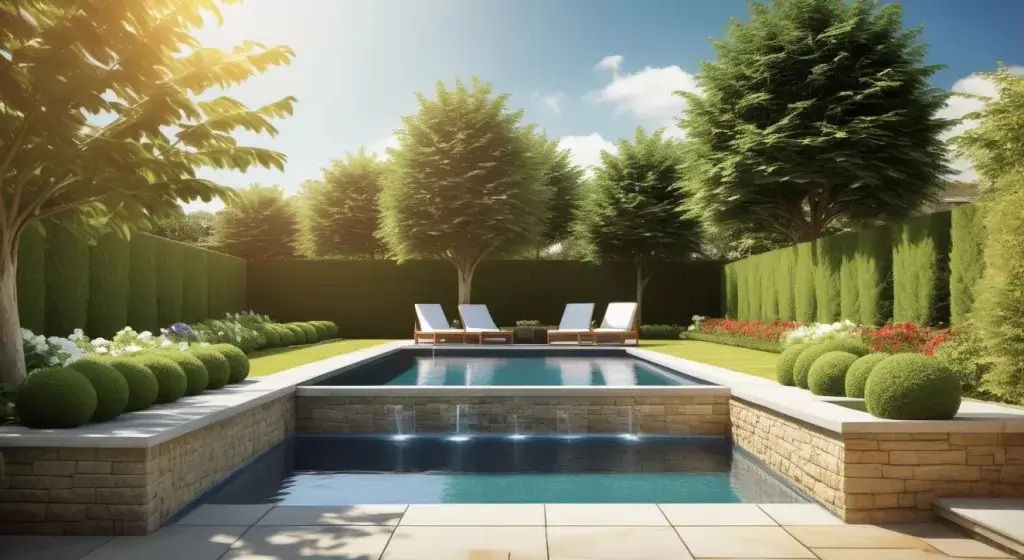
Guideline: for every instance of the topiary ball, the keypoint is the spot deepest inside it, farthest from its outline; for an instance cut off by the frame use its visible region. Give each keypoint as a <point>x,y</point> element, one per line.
<point>784,366</point>
<point>297,332</point>
<point>322,332</point>
<point>238,362</point>
<point>857,375</point>
<point>802,367</point>
<point>55,398</point>
<point>311,334</point>
<point>332,329</point>
<point>196,375</point>
<point>912,387</point>
<point>217,368</point>
<point>170,378</point>
<point>110,386</point>
<point>287,336</point>
<point>828,373</point>
<point>142,385</point>
<point>272,336</point>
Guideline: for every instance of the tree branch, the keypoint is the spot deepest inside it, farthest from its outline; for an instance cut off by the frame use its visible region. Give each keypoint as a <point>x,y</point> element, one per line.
<point>18,140</point>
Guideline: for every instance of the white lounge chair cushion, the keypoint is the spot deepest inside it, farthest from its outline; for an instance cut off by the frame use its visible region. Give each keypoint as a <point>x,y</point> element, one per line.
<point>476,318</point>
<point>576,317</point>
<point>432,320</point>
<point>618,317</point>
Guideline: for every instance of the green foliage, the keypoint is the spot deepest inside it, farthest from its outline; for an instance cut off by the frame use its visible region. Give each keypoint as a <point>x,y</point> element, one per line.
<point>109,271</point>
<point>142,283</point>
<point>802,367</point>
<point>921,270</point>
<point>55,398</point>
<point>218,369</point>
<point>192,229</point>
<point>258,223</point>
<point>310,331</point>
<point>67,281</point>
<point>857,375</point>
<point>966,259</point>
<point>272,336</point>
<point>297,333</point>
<point>785,282</point>
<point>912,387</point>
<point>286,334</point>
<point>827,288</point>
<point>197,378</point>
<point>32,279</point>
<point>787,361</point>
<point>111,387</point>
<point>142,385</point>
<point>873,263</point>
<point>661,332</point>
<point>804,291</point>
<point>238,362</point>
<point>323,332</point>
<point>170,378</point>
<point>338,214</point>
<point>995,145</point>
<point>827,376</point>
<point>732,290</point>
<point>965,354</point>
<point>195,301</point>
<point>815,112</point>
<point>849,287</point>
<point>738,341</point>
<point>170,280</point>
<point>564,182</point>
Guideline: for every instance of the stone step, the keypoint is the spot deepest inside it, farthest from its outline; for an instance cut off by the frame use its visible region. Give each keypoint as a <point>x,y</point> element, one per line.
<point>997,521</point>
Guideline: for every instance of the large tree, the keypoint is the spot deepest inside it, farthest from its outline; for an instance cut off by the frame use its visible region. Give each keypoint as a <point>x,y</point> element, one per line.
<point>338,214</point>
<point>465,182</point>
<point>100,128</point>
<point>815,111</point>
<point>195,228</point>
<point>257,223</point>
<point>630,211</point>
<point>564,181</point>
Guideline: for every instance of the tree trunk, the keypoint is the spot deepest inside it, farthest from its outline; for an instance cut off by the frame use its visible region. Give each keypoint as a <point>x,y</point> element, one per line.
<point>12,356</point>
<point>465,281</point>
<point>642,276</point>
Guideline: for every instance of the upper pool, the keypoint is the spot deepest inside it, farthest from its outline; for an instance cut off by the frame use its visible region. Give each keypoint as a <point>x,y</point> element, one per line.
<point>509,367</point>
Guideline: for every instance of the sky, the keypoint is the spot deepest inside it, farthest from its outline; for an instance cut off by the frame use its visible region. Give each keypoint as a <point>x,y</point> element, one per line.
<point>588,72</point>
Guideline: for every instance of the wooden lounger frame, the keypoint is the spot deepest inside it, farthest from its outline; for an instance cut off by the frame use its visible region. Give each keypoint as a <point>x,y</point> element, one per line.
<point>433,336</point>
<point>554,334</point>
<point>623,336</point>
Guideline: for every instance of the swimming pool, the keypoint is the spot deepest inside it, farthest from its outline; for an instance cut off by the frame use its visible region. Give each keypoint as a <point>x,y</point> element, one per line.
<point>329,471</point>
<point>496,367</point>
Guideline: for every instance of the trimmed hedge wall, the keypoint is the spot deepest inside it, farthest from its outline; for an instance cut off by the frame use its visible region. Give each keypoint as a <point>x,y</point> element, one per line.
<point>67,282</point>
<point>170,280</point>
<point>375,298</point>
<point>920,264</point>
<point>142,284</point>
<point>966,259</point>
<point>873,260</point>
<point>194,304</point>
<point>109,272</point>
<point>32,279</point>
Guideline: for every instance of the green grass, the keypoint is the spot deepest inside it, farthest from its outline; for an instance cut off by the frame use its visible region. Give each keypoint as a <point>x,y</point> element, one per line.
<point>751,362</point>
<point>267,362</point>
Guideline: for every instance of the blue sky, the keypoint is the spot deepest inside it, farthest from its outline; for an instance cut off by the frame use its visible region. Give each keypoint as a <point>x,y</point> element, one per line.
<point>587,71</point>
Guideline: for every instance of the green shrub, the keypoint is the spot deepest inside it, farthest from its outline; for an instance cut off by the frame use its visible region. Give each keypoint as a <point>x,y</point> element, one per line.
<point>142,283</point>
<point>237,361</point>
<point>966,355</point>
<point>966,259</point>
<point>55,398</point>
<point>784,366</point>
<point>804,296</point>
<point>311,334</point>
<point>196,375</point>
<point>738,341</point>
<point>921,270</point>
<point>803,364</point>
<point>217,367</point>
<point>286,334</point>
<point>272,336</point>
<point>912,387</point>
<point>785,283</point>
<point>731,291</point>
<point>195,305</point>
<point>297,332</point>
<point>170,378</point>
<point>170,279</point>
<point>827,289</point>
<point>857,375</point>
<point>110,386</point>
<point>32,279</point>
<point>332,329</point>
<point>828,374</point>
<point>322,332</point>
<point>67,281</point>
<point>142,386</point>
<point>849,296</point>
<point>874,275</point>
<point>109,268</point>
<point>660,332</point>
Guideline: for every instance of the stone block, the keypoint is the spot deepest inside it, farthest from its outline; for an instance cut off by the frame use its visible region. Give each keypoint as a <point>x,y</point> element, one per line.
<point>896,471</point>
<point>974,439</point>
<point>22,513</point>
<point>956,457</point>
<point>40,482</point>
<point>947,472</point>
<point>115,454</point>
<point>872,486</point>
<point>65,512</point>
<point>882,501</point>
<point>94,481</point>
<point>76,454</point>
<point>53,468</point>
<point>980,460</point>
<point>913,445</point>
<point>1013,474</point>
<point>864,471</point>
<point>93,467</point>
<point>74,496</point>
<point>868,457</point>
<point>31,496</point>
<point>860,444</point>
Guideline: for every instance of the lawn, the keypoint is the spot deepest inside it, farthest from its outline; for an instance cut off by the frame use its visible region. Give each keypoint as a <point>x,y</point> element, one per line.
<point>266,362</point>
<point>751,362</point>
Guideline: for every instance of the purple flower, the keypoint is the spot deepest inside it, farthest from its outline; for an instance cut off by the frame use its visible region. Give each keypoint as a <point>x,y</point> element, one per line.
<point>181,330</point>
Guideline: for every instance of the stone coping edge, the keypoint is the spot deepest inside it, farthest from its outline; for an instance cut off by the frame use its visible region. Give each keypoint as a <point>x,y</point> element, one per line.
<point>509,391</point>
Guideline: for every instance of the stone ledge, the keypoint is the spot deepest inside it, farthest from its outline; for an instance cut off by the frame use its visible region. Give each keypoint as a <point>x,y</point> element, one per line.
<point>514,391</point>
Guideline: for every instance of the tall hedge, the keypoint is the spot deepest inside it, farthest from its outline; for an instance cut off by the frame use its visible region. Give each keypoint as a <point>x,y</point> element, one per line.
<point>785,282</point>
<point>170,275</point>
<point>109,271</point>
<point>218,274</point>
<point>67,281</point>
<point>195,302</point>
<point>804,293</point>
<point>827,294</point>
<point>966,259</point>
<point>849,288</point>
<point>32,279</point>
<point>874,275</point>
<point>769,295</point>
<point>731,291</point>
<point>921,269</point>
<point>143,312</point>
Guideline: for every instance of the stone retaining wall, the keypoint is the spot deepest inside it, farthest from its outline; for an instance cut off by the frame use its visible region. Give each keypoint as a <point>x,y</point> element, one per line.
<point>696,415</point>
<point>110,491</point>
<point>881,478</point>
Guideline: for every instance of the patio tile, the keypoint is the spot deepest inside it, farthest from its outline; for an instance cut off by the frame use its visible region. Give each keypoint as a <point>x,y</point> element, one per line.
<point>293,543</point>
<point>742,542</point>
<point>474,514</point>
<point>609,515</point>
<point>467,543</point>
<point>878,554</point>
<point>49,548</point>
<point>800,514</point>
<point>170,543</point>
<point>704,515</point>
<point>949,541</point>
<point>855,536</point>
<point>615,543</point>
<point>226,515</point>
<point>337,515</point>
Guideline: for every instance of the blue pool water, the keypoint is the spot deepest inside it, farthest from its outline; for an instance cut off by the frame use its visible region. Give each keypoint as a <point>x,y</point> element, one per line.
<point>330,471</point>
<point>509,368</point>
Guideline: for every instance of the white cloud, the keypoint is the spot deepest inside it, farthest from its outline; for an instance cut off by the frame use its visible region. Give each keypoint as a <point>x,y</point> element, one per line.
<point>585,151</point>
<point>380,147</point>
<point>647,94</point>
<point>553,101</point>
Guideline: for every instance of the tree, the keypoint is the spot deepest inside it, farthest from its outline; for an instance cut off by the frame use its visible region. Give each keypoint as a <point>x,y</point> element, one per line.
<point>338,214</point>
<point>465,184</point>
<point>564,181</point>
<point>815,111</point>
<point>996,145</point>
<point>630,211</point>
<point>99,126</point>
<point>195,228</point>
<point>257,223</point>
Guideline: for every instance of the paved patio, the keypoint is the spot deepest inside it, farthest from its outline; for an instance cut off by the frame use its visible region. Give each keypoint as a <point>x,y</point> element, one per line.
<point>512,532</point>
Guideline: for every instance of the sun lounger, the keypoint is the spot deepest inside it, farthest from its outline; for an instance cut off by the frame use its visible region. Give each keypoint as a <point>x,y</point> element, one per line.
<point>575,323</point>
<point>619,323</point>
<point>477,321</point>
<point>433,325</point>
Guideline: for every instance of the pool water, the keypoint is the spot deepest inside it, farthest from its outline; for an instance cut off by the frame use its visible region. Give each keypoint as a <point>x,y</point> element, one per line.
<point>348,470</point>
<point>509,368</point>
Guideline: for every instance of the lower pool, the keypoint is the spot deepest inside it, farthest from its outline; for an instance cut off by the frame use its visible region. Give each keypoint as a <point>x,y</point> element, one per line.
<point>329,471</point>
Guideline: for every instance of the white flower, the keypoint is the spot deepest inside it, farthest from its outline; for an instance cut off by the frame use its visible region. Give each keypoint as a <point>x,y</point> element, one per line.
<point>27,334</point>
<point>101,350</point>
<point>132,348</point>
<point>165,343</point>
<point>145,335</point>
<point>100,342</point>
<point>53,360</point>
<point>183,346</point>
